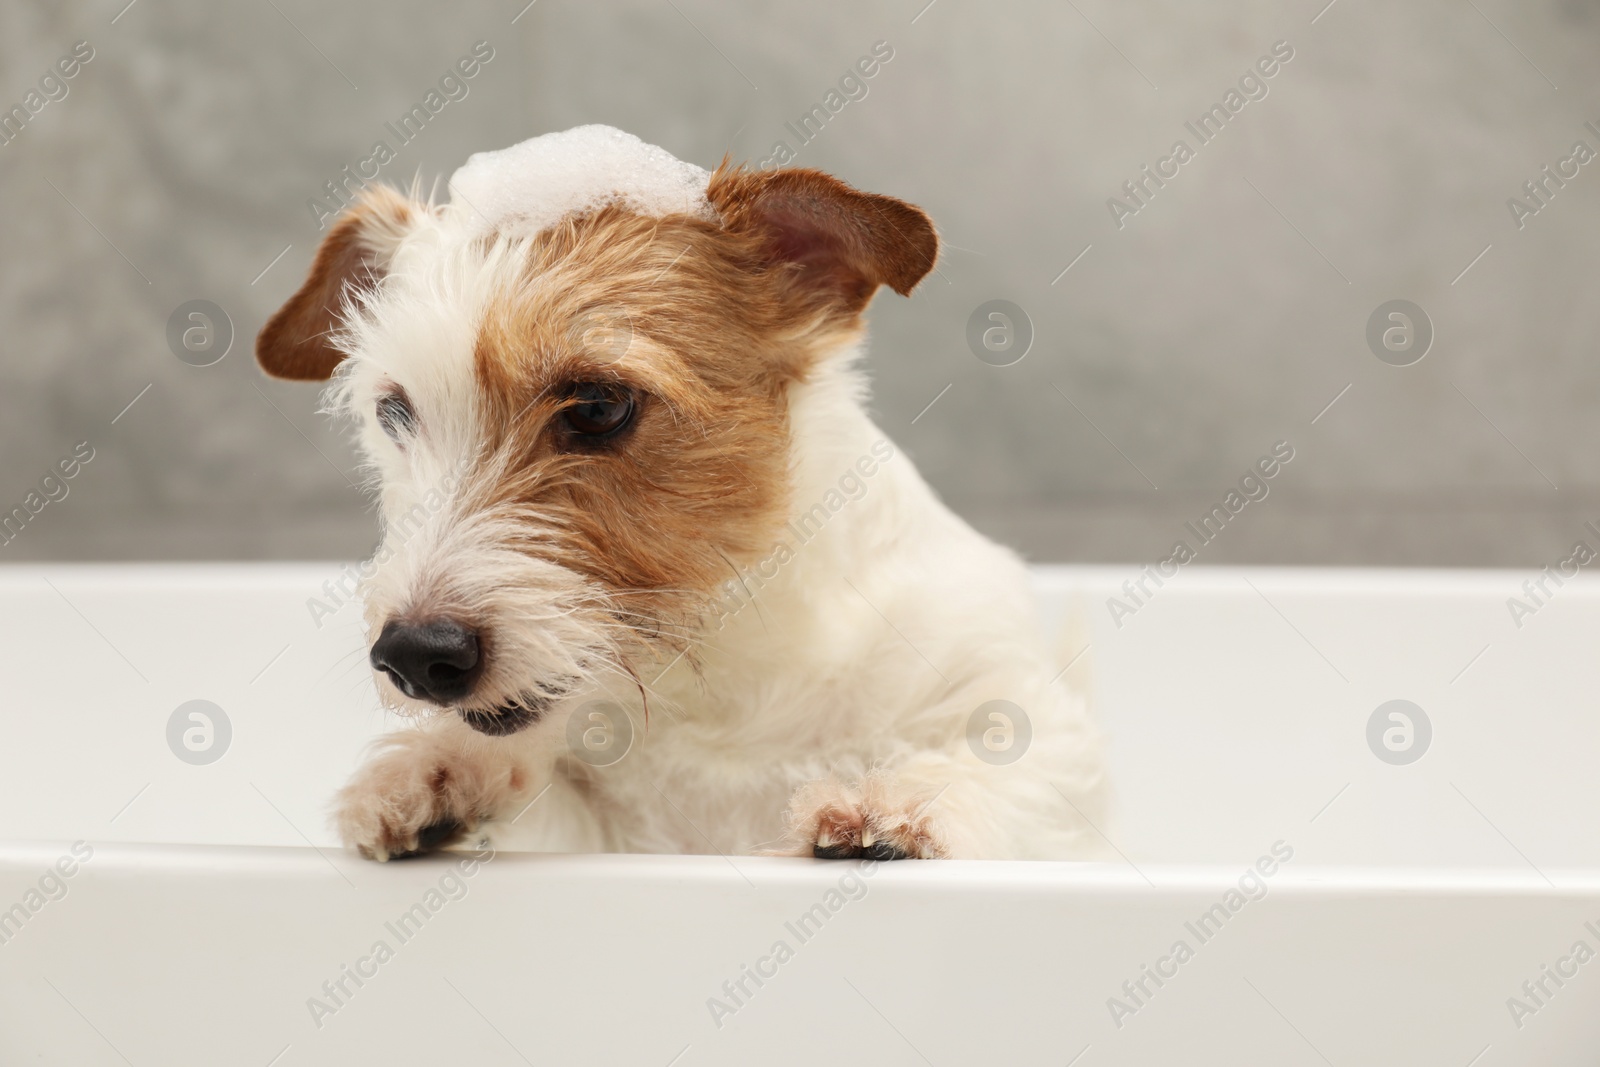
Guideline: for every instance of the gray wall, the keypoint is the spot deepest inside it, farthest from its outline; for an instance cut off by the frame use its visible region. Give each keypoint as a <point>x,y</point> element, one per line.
<point>1219,319</point>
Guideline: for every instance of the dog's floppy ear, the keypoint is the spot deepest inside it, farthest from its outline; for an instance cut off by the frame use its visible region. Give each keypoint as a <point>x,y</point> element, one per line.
<point>294,343</point>
<point>845,243</point>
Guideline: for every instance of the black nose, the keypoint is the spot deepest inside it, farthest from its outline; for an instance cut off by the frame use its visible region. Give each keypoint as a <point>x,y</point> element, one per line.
<point>435,660</point>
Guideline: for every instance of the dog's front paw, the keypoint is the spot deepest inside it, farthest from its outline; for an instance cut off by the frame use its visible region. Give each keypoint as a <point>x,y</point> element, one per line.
<point>875,819</point>
<point>406,800</point>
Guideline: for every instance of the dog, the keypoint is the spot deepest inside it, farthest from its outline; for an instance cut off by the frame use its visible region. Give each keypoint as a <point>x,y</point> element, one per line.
<point>650,576</point>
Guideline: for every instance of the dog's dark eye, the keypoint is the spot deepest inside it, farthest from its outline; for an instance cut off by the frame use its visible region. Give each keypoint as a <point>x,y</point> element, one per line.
<point>599,409</point>
<point>395,416</point>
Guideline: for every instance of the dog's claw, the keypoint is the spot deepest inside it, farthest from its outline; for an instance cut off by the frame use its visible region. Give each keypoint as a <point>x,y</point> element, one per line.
<point>874,821</point>
<point>434,837</point>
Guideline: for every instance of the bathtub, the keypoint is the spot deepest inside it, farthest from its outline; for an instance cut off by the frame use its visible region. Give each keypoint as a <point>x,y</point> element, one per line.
<point>1348,887</point>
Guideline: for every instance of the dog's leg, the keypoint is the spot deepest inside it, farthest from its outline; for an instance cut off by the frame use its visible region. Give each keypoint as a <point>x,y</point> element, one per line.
<point>877,817</point>
<point>424,787</point>
<point>940,804</point>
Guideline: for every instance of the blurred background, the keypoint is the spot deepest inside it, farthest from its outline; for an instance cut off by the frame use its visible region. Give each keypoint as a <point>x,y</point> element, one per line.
<point>1169,343</point>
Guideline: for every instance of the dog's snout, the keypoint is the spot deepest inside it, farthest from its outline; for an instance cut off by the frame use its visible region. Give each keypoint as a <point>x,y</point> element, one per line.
<point>435,660</point>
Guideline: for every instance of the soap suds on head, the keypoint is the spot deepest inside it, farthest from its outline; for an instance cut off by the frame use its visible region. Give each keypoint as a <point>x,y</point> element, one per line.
<point>529,187</point>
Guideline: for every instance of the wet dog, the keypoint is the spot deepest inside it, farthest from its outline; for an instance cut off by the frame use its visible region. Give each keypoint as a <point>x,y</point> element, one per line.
<point>651,579</point>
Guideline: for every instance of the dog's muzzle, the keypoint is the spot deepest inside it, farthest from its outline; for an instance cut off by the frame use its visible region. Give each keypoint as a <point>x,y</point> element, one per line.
<point>439,661</point>
<point>436,660</point>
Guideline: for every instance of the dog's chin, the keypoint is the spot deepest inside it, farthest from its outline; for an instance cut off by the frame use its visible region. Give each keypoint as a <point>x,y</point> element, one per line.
<point>506,719</point>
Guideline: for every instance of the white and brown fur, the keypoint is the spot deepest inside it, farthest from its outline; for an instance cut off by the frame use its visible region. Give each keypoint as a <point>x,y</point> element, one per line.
<point>826,717</point>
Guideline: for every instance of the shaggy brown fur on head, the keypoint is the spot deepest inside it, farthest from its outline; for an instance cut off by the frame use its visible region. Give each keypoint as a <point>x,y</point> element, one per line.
<point>704,349</point>
<point>704,322</point>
